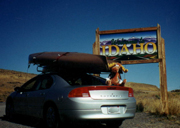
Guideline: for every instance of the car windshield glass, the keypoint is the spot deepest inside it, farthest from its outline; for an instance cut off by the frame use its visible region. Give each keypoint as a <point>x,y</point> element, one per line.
<point>83,79</point>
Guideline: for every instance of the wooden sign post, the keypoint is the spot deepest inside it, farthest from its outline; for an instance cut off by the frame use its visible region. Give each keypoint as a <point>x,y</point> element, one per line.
<point>159,58</point>
<point>162,73</point>
<point>96,46</point>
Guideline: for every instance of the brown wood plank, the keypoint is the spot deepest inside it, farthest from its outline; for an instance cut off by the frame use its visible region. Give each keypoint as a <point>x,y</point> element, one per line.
<point>96,45</point>
<point>162,73</point>
<point>141,61</point>
<point>164,81</point>
<point>159,41</point>
<point>127,30</point>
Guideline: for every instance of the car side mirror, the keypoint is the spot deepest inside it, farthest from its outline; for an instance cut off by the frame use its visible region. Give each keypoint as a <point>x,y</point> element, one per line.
<point>17,89</point>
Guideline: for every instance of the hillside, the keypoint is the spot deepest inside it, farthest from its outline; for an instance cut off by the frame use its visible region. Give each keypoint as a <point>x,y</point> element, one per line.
<point>10,79</point>
<point>142,87</point>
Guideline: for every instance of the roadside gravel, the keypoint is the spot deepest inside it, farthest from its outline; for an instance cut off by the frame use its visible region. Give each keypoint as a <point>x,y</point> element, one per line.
<point>145,120</point>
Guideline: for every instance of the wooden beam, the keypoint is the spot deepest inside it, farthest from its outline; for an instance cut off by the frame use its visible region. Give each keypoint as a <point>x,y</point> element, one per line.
<point>96,45</point>
<point>162,73</point>
<point>127,30</point>
<point>141,61</point>
<point>164,92</point>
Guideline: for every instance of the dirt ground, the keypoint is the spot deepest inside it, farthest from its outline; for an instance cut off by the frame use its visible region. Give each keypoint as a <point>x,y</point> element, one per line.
<point>145,120</point>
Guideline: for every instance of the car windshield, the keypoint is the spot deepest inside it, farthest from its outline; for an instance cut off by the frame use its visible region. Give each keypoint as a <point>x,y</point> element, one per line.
<point>83,79</point>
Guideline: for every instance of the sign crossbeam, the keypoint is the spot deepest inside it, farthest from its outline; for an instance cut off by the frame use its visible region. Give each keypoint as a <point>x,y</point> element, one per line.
<point>127,30</point>
<point>141,61</point>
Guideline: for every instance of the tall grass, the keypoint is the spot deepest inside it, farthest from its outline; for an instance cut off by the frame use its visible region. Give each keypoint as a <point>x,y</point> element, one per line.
<point>150,102</point>
<point>174,104</point>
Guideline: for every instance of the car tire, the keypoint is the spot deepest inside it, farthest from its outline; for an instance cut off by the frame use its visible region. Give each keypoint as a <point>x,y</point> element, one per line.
<point>9,110</point>
<point>114,124</point>
<point>51,117</point>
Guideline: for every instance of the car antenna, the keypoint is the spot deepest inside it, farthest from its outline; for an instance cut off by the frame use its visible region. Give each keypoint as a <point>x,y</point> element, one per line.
<point>28,67</point>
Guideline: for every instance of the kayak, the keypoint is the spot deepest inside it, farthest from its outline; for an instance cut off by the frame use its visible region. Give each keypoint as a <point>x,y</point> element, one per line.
<point>70,61</point>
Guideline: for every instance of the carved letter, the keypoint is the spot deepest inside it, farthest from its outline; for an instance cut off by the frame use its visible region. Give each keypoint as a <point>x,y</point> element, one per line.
<point>110,50</point>
<point>154,48</point>
<point>135,48</point>
<point>125,49</point>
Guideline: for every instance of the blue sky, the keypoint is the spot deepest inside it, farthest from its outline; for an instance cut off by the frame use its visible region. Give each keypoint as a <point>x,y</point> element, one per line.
<point>30,26</point>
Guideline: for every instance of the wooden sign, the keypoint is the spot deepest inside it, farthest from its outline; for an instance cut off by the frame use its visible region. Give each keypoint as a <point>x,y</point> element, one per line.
<point>135,46</point>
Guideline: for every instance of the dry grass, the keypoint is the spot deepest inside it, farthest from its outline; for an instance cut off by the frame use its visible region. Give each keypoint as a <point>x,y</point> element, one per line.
<point>148,99</point>
<point>150,102</point>
<point>147,96</point>
<point>11,79</point>
<point>174,103</point>
<point>142,87</point>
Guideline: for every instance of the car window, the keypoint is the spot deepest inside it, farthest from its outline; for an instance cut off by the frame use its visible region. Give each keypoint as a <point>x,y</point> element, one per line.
<point>98,81</point>
<point>29,86</point>
<point>83,80</point>
<point>44,83</point>
<point>38,83</point>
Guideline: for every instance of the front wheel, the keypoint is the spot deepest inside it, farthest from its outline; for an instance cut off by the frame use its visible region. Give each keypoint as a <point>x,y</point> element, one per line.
<point>51,117</point>
<point>9,110</point>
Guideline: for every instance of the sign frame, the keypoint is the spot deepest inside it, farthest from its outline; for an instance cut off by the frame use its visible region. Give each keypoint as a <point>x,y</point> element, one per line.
<point>96,45</point>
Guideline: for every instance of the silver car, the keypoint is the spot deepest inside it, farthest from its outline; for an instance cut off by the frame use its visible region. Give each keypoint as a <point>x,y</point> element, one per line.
<point>61,97</point>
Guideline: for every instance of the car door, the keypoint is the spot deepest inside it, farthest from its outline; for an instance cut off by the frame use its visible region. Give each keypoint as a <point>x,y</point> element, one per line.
<point>20,100</point>
<point>36,97</point>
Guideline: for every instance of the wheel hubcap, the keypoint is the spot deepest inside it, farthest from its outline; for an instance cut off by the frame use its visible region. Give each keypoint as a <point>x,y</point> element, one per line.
<point>51,117</point>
